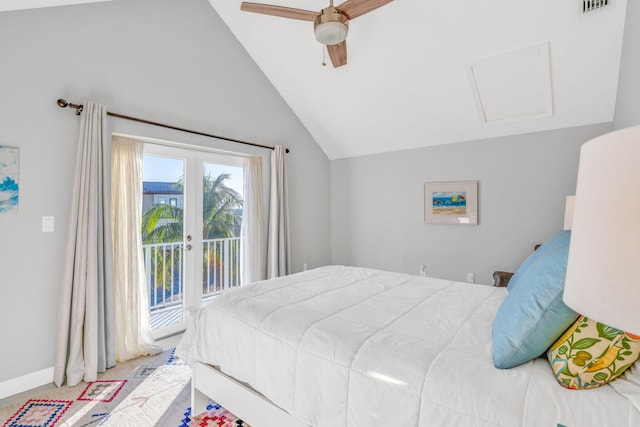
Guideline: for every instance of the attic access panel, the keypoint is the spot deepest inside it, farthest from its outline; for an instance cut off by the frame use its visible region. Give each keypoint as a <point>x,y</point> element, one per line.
<point>513,86</point>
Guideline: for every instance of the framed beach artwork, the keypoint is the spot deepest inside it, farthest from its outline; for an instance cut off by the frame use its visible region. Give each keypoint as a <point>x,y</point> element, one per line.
<point>9,168</point>
<point>453,202</point>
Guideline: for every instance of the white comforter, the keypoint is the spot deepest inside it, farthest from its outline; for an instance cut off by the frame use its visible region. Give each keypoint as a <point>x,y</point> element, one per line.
<point>343,346</point>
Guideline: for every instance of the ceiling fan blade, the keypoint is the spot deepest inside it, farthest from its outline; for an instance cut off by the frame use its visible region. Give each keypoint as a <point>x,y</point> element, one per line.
<point>355,8</point>
<point>338,54</point>
<point>284,12</point>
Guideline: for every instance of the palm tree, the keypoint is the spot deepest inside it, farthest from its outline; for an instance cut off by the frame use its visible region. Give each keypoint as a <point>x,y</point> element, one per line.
<point>222,207</point>
<point>222,217</point>
<point>162,223</point>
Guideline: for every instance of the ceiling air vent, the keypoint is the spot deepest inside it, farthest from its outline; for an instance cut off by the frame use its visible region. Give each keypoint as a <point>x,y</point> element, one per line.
<point>590,6</point>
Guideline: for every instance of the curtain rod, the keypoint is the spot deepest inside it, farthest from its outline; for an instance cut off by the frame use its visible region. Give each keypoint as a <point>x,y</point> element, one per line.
<point>63,103</point>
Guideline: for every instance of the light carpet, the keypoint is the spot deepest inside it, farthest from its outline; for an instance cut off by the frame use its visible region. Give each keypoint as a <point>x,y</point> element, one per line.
<point>144,392</point>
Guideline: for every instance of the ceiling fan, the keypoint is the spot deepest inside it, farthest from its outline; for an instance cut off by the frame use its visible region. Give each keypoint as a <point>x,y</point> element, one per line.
<point>331,24</point>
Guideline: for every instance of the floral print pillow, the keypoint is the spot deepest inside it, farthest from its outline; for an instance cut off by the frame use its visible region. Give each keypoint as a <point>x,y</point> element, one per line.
<point>590,354</point>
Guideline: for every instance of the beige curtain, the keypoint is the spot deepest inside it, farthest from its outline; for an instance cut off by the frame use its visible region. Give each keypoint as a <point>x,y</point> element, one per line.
<point>133,329</point>
<point>253,254</point>
<point>86,341</point>
<point>279,250</point>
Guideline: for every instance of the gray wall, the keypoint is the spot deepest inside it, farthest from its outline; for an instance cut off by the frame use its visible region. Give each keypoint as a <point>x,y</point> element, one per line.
<point>169,61</point>
<point>377,203</point>
<point>628,100</point>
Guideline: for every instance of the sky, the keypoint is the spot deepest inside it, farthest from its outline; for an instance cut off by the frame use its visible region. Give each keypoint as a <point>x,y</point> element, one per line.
<point>165,169</point>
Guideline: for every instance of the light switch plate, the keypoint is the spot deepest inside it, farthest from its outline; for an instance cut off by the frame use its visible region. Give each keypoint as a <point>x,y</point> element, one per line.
<point>48,224</point>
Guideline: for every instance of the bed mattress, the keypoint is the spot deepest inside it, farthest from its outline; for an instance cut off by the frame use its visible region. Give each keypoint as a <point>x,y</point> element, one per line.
<point>344,346</point>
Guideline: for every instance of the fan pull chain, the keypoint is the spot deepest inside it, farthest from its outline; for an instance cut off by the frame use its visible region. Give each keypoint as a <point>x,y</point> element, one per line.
<point>324,63</point>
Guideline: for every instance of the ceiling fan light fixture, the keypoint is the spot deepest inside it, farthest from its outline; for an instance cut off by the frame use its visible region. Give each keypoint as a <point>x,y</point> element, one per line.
<point>331,33</point>
<point>331,27</point>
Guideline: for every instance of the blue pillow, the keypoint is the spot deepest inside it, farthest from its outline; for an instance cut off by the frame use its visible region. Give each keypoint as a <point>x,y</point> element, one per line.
<point>556,241</point>
<point>533,315</point>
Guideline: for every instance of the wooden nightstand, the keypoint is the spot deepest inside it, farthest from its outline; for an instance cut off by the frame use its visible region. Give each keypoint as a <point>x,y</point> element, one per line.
<point>501,278</point>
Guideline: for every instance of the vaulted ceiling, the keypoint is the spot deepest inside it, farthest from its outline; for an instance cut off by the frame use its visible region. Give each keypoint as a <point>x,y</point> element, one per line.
<point>6,5</point>
<point>422,73</point>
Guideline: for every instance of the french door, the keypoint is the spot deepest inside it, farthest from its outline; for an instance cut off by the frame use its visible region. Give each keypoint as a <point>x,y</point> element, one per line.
<point>192,211</point>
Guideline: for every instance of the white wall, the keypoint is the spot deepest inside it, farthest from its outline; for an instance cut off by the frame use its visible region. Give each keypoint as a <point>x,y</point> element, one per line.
<point>165,60</point>
<point>377,203</point>
<point>628,100</point>
<point>175,61</point>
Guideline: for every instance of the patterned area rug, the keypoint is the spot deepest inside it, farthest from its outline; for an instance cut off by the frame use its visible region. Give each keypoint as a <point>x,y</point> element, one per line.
<point>145,392</point>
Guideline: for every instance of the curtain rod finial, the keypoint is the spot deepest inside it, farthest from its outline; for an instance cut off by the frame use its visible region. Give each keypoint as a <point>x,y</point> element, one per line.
<point>63,103</point>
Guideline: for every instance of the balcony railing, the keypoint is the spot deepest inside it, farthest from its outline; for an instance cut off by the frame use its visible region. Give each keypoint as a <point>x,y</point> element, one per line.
<point>165,275</point>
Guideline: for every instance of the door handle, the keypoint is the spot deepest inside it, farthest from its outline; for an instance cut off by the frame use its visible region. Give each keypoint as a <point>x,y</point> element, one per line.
<point>188,247</point>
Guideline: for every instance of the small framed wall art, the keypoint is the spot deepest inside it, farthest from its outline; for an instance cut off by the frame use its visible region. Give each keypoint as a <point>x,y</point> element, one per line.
<point>9,163</point>
<point>454,202</point>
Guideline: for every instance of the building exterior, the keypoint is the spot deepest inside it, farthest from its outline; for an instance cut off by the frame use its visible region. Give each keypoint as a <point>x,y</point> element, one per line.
<point>154,192</point>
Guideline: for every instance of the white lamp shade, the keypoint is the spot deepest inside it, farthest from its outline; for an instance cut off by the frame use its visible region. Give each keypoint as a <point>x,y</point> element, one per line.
<point>330,33</point>
<point>603,271</point>
<point>568,212</point>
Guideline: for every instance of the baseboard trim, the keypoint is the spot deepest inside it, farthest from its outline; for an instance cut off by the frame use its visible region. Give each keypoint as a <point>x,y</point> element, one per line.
<point>43,377</point>
<point>26,382</point>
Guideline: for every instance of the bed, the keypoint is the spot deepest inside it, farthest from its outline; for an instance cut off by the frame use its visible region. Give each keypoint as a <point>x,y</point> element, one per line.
<point>352,347</point>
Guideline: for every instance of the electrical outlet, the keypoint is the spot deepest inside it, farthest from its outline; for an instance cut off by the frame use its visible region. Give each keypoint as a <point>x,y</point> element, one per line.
<point>423,270</point>
<point>471,278</point>
<point>304,267</point>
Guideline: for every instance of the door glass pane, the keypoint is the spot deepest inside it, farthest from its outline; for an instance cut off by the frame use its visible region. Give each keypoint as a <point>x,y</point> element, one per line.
<point>162,238</point>
<point>222,199</point>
